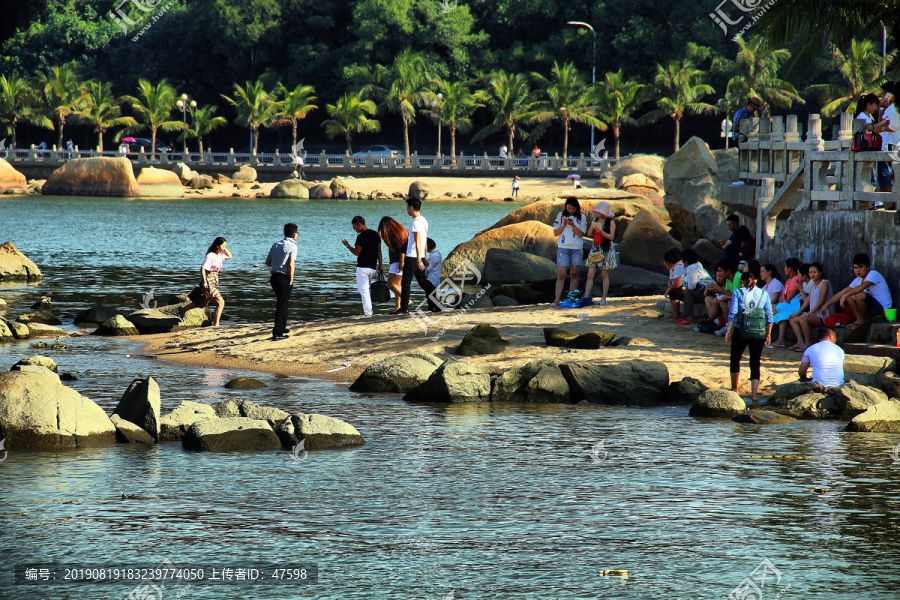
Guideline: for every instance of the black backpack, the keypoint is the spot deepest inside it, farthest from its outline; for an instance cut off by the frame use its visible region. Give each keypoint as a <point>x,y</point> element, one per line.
<point>707,325</point>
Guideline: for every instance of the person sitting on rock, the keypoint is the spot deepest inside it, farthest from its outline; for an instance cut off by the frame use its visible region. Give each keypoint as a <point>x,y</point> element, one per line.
<point>675,289</point>
<point>826,359</point>
<point>695,281</point>
<point>868,294</point>
<point>718,295</point>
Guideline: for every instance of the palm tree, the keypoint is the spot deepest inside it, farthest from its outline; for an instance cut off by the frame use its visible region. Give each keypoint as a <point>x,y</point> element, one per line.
<point>509,98</point>
<point>408,89</point>
<point>202,123</point>
<point>255,107</point>
<point>452,105</point>
<point>16,101</point>
<point>154,107</point>
<point>295,105</point>
<point>756,67</point>
<point>679,88</point>
<point>860,71</point>
<point>617,99</point>
<point>103,110</point>
<point>349,115</point>
<point>61,96</point>
<point>568,101</point>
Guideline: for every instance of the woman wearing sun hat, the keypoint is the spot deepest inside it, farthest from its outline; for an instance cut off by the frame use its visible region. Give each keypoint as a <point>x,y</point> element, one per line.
<point>603,252</point>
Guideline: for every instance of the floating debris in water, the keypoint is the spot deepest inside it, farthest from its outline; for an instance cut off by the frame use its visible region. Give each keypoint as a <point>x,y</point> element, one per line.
<point>623,573</point>
<point>57,345</point>
<point>779,456</point>
<point>820,490</point>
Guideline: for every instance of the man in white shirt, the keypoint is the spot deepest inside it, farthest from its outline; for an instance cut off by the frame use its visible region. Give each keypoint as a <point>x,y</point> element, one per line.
<point>826,359</point>
<point>868,294</point>
<point>416,259</point>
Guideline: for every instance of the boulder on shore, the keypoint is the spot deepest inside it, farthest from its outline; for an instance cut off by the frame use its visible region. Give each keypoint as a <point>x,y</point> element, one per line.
<point>96,315</point>
<point>536,381</point>
<point>530,237</point>
<point>420,190</point>
<point>39,330</point>
<point>235,433</point>
<point>15,266</point>
<point>482,339</point>
<point>397,374</point>
<point>37,412</point>
<point>650,165</point>
<point>129,433</point>
<point>881,418</point>
<point>165,319</point>
<point>558,337</point>
<point>339,189</point>
<point>633,382</point>
<point>159,183</point>
<point>723,404</point>
<point>246,174</point>
<point>512,266</point>
<point>810,406</point>
<point>117,326</point>
<point>93,177</point>
<point>454,381</point>
<point>317,432</point>
<point>245,408</point>
<point>644,243</point>
<point>855,399</point>
<point>140,405</point>
<point>688,390</point>
<point>10,178</point>
<point>692,193</point>
<point>38,317</point>
<point>293,189</point>
<point>592,340</point>
<point>40,361</point>
<point>320,192</point>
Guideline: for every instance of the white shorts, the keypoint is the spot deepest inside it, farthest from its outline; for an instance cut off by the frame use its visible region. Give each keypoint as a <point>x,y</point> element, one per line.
<point>395,269</point>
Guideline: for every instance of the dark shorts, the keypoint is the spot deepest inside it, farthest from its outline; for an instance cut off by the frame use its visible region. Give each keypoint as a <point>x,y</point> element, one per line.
<point>676,294</point>
<point>873,307</point>
<point>885,174</point>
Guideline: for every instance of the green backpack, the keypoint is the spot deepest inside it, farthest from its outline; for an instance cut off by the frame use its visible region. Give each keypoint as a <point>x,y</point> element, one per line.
<point>753,318</point>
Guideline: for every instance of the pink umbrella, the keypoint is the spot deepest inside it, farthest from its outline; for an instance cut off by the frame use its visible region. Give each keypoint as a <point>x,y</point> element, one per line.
<point>574,176</point>
<point>129,139</point>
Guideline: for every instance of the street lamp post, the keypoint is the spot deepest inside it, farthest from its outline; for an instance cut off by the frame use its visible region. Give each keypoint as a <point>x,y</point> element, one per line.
<point>184,104</point>
<point>593,62</point>
<point>435,104</point>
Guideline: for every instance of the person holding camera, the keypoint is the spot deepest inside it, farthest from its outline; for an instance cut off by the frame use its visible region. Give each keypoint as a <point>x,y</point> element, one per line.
<point>570,226</point>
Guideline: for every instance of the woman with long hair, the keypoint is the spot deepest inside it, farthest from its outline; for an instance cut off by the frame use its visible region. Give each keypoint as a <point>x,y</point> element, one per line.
<point>209,280</point>
<point>395,237</point>
<point>741,334</point>
<point>772,282</point>
<point>603,252</point>
<point>811,314</point>
<point>570,226</point>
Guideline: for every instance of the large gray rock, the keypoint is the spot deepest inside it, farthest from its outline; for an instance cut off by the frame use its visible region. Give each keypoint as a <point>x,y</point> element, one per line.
<point>521,293</point>
<point>251,410</point>
<point>530,237</point>
<point>536,381</point>
<point>6,333</point>
<point>19,330</point>
<point>95,316</point>
<point>763,417</point>
<point>35,369</point>
<point>692,193</point>
<point>858,363</point>
<point>482,339</point>
<point>117,326</point>
<point>140,405</point>
<point>625,280</point>
<point>320,192</point>
<point>234,433</point>
<point>644,243</point>
<point>37,412</point>
<point>339,189</point>
<point>856,399</point>
<point>317,432</point>
<point>129,433</point>
<point>789,391</point>
<point>633,382</point>
<point>166,319</point>
<point>39,330</point>
<point>293,189</point>
<point>501,300</point>
<point>650,165</point>
<point>511,266</point>
<point>810,406</point>
<point>723,404</point>
<point>174,425</point>
<point>881,418</point>
<point>688,390</point>
<point>397,374</point>
<point>15,266</point>
<point>246,174</point>
<point>40,361</point>
<point>420,190</point>
<point>38,317</point>
<point>592,340</point>
<point>454,381</point>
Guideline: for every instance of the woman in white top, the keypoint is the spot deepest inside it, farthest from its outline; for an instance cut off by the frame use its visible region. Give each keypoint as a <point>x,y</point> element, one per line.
<point>867,110</point>
<point>820,293</point>
<point>209,280</point>
<point>773,286</point>
<point>570,226</point>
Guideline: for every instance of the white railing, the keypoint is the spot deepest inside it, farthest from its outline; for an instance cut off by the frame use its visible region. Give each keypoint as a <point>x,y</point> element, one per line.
<point>277,160</point>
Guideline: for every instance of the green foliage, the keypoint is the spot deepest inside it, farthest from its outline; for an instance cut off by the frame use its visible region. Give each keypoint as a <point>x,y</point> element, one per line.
<point>103,110</point>
<point>17,100</point>
<point>202,123</point>
<point>565,99</point>
<point>510,98</point>
<point>153,107</point>
<point>60,95</point>
<point>616,99</point>
<point>860,72</point>
<point>294,105</point>
<point>452,103</point>
<point>255,107</point>
<point>349,115</point>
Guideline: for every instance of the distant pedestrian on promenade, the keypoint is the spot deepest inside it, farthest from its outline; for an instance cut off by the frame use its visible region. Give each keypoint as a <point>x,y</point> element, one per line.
<point>367,250</point>
<point>281,260</point>
<point>515,189</point>
<point>298,167</point>
<point>570,226</point>
<point>749,324</point>
<point>395,237</point>
<point>748,111</point>
<point>416,259</point>
<point>503,152</point>
<point>208,292</point>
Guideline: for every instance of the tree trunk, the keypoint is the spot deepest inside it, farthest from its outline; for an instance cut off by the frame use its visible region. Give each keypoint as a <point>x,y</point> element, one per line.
<point>512,130</point>
<point>294,136</point>
<point>255,139</point>
<point>677,133</point>
<point>200,145</point>
<point>62,124</point>
<point>452,145</point>
<point>100,140</point>
<point>616,133</point>
<point>565,139</point>
<point>349,149</point>
<point>14,132</point>
<point>406,138</point>
<point>152,142</point>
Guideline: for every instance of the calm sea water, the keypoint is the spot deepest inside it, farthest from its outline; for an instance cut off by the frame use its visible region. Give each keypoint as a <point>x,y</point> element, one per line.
<point>468,501</point>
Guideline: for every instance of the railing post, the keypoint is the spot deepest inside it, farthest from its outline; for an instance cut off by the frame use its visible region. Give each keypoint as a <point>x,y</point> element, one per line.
<point>812,180</point>
<point>346,162</point>
<point>766,195</point>
<point>765,146</point>
<point>581,165</point>
<point>415,159</point>
<point>323,159</point>
<point>753,146</point>
<point>776,139</point>
<point>845,134</point>
<point>231,159</point>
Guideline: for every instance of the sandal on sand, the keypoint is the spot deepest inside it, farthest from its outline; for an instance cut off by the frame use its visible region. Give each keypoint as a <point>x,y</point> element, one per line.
<point>682,322</point>
<point>776,346</point>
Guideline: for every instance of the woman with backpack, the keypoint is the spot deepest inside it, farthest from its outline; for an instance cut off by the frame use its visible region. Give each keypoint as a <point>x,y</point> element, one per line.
<point>749,324</point>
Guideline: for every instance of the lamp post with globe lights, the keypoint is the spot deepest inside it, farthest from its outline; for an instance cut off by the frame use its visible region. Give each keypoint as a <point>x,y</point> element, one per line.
<point>435,104</point>
<point>184,104</point>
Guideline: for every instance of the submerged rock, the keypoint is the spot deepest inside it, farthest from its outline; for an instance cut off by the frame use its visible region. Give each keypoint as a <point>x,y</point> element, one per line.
<point>95,316</point>
<point>685,391</point>
<point>763,417</point>
<point>810,406</point>
<point>245,383</point>
<point>633,382</point>
<point>117,326</point>
<point>39,317</point>
<point>317,432</point>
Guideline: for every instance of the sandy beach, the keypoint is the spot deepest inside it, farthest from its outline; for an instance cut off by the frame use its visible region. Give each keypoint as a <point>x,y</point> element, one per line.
<point>340,349</point>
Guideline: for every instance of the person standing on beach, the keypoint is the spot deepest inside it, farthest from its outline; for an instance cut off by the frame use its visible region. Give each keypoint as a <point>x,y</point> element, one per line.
<point>416,259</point>
<point>570,226</point>
<point>281,260</point>
<point>603,229</point>
<point>367,251</point>
<point>749,324</point>
<point>515,189</point>
<point>395,237</point>
<point>209,280</point>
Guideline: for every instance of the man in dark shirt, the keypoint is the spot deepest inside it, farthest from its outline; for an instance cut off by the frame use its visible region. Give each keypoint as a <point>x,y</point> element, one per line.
<point>740,246</point>
<point>368,259</point>
<point>748,111</point>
